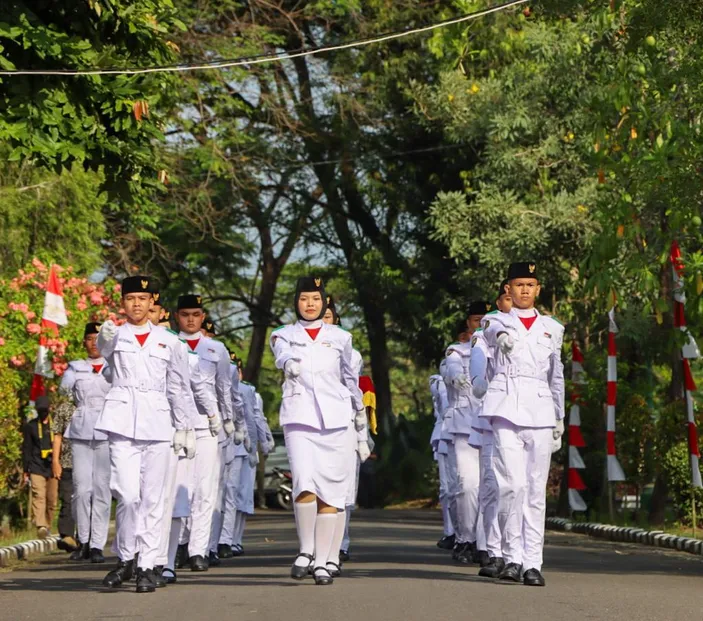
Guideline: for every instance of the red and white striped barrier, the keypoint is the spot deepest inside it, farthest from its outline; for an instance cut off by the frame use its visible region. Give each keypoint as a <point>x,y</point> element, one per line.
<point>575,482</point>
<point>615,472</point>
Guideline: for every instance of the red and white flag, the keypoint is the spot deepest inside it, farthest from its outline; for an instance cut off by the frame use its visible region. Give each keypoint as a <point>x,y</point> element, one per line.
<point>688,351</point>
<point>575,482</point>
<point>53,316</point>
<point>615,472</point>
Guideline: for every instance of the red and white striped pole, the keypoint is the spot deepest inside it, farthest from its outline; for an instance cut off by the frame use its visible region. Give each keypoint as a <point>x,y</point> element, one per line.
<point>575,482</point>
<point>688,351</point>
<point>615,472</point>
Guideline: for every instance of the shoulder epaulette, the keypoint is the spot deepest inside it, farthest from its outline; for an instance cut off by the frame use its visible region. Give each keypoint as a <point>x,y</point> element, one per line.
<point>279,328</point>
<point>495,312</point>
<point>247,383</point>
<point>555,319</point>
<point>171,331</point>
<point>478,330</point>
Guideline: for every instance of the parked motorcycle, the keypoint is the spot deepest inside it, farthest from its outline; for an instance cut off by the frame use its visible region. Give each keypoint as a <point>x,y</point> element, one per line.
<point>284,489</point>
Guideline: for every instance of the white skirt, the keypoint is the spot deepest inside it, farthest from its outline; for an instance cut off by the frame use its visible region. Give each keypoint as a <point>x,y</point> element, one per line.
<point>321,462</point>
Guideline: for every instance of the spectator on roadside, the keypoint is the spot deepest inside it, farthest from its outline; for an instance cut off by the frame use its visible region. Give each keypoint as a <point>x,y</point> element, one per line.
<point>62,469</point>
<point>37,451</point>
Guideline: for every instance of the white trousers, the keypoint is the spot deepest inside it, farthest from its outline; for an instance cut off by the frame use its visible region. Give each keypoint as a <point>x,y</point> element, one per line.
<point>91,499</point>
<point>444,496</point>
<point>229,517</point>
<point>351,501</point>
<point>138,469</point>
<point>521,461</point>
<point>219,511</point>
<point>169,500</point>
<point>468,466</point>
<point>452,488</point>
<point>206,475</point>
<point>488,535</point>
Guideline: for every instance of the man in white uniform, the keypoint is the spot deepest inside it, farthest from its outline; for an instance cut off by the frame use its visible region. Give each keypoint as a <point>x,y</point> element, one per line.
<point>439,449</point>
<point>142,408</point>
<point>525,405</point>
<point>464,407</point>
<point>91,500</point>
<point>213,365</point>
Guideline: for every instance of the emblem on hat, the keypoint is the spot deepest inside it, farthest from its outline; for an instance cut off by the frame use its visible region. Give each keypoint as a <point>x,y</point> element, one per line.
<point>318,282</point>
<point>532,267</point>
<point>156,297</point>
<point>145,284</point>
<point>488,307</point>
<point>199,299</point>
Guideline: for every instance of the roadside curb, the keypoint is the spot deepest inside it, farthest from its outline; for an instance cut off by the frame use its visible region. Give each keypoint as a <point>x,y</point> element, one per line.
<point>626,534</point>
<point>22,551</point>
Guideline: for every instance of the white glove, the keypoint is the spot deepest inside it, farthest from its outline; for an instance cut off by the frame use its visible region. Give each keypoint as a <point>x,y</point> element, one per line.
<point>558,431</point>
<point>505,343</point>
<point>238,437</point>
<point>479,386</point>
<point>179,440</point>
<point>460,381</point>
<point>247,443</point>
<point>214,424</point>
<point>292,369</point>
<point>270,446</point>
<point>109,329</point>
<point>190,444</point>
<point>253,459</point>
<point>360,420</point>
<point>228,426</point>
<point>363,450</point>
<point>556,444</point>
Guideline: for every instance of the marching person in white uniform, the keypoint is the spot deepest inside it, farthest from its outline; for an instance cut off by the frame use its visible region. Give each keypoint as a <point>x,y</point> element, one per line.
<point>439,450</point>
<point>141,410</point>
<point>464,408</point>
<point>524,402</point>
<point>489,534</point>
<point>214,369</point>
<point>321,400</point>
<point>363,445</point>
<point>91,501</point>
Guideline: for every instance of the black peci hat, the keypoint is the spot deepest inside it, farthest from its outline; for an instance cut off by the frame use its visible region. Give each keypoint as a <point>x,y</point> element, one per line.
<point>310,284</point>
<point>501,289</point>
<point>209,326</point>
<point>480,307</point>
<point>92,327</point>
<point>136,284</point>
<point>333,307</point>
<point>525,269</point>
<point>189,301</point>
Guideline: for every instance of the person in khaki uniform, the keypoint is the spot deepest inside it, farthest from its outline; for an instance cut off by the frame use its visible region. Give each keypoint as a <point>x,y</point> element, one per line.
<point>37,450</point>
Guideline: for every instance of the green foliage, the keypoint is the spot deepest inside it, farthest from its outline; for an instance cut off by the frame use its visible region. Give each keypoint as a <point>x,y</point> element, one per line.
<point>677,466</point>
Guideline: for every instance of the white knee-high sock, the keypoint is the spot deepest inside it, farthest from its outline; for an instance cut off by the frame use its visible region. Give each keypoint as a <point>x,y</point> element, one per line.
<point>305,516</point>
<point>173,542</point>
<point>239,527</point>
<point>325,525</point>
<point>338,536</point>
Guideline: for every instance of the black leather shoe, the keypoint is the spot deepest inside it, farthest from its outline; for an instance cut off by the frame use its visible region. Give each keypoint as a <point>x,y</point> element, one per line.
<point>457,550</point>
<point>213,560</point>
<point>482,558</point>
<point>237,549</point>
<point>169,575</point>
<point>447,542</point>
<point>198,563</point>
<point>181,555</point>
<point>344,556</point>
<point>493,569</point>
<point>145,581</point>
<point>322,576</point>
<point>68,544</point>
<point>122,573</point>
<point>224,551</point>
<point>299,572</point>
<point>511,573</point>
<point>79,554</point>
<point>158,578</point>
<point>334,570</point>
<point>533,577</point>
<point>96,556</point>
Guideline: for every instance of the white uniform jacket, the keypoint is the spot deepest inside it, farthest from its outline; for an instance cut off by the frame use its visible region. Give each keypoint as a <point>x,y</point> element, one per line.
<point>447,415</point>
<point>326,394</point>
<point>439,402</point>
<point>463,405</point>
<point>478,342</point>
<point>148,388</point>
<point>527,387</point>
<point>255,420</point>
<point>216,376</point>
<point>362,435</point>
<point>88,389</point>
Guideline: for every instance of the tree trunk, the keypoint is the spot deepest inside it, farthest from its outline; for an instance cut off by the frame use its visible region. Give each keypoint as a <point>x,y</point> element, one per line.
<point>261,319</point>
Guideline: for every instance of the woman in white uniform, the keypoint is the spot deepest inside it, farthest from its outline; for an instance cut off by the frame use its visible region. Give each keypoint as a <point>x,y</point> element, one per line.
<point>321,400</point>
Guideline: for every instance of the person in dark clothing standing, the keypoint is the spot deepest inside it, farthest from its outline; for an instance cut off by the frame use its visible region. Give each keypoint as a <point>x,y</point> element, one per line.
<point>62,468</point>
<point>37,451</point>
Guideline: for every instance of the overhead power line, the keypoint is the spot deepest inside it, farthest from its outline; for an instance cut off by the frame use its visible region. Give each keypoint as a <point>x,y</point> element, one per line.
<point>265,58</point>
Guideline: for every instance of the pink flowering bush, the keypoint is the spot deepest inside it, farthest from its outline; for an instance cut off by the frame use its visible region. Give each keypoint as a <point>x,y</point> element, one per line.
<point>21,307</point>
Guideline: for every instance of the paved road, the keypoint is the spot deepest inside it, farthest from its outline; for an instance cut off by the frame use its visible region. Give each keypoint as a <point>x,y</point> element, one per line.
<point>396,573</point>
